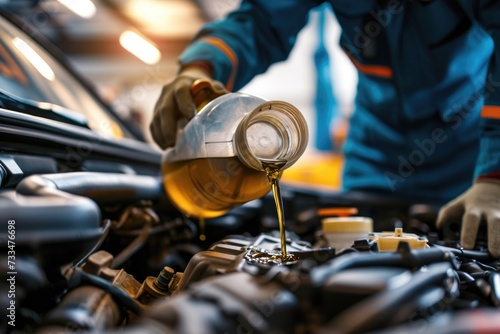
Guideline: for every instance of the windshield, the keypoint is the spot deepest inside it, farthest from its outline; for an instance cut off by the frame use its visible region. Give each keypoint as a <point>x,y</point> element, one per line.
<point>29,72</point>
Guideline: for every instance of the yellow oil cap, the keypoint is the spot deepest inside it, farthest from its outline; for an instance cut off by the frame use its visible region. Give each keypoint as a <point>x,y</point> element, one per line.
<point>341,231</point>
<point>347,225</point>
<point>389,241</point>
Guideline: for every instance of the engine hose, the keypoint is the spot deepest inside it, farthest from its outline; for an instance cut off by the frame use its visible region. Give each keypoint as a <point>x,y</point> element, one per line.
<point>466,253</point>
<point>105,232</point>
<point>101,187</point>
<point>404,258</point>
<point>382,307</point>
<point>465,277</point>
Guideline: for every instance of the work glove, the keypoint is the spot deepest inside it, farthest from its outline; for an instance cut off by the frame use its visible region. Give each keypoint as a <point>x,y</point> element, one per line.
<point>176,105</point>
<point>480,201</point>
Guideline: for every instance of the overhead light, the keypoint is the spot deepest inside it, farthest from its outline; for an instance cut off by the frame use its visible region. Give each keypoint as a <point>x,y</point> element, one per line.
<point>140,47</point>
<point>34,58</point>
<point>83,8</point>
<point>171,19</point>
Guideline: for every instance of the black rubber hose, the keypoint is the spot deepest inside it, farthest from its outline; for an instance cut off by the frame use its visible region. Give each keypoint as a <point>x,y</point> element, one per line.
<point>377,310</point>
<point>402,258</point>
<point>101,187</point>
<point>466,253</point>
<point>102,238</point>
<point>465,277</point>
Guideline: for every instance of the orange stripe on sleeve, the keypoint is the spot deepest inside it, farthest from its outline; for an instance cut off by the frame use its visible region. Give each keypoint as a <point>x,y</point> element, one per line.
<point>376,70</point>
<point>226,49</point>
<point>490,112</point>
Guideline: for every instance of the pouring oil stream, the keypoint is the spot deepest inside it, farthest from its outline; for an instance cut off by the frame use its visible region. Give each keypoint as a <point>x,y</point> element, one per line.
<point>273,170</point>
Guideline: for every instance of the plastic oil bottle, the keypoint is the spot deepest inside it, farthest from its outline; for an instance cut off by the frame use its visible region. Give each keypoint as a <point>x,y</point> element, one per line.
<point>217,162</point>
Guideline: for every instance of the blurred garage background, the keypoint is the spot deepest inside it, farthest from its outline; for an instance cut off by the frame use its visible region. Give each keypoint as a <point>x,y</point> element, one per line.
<point>105,41</point>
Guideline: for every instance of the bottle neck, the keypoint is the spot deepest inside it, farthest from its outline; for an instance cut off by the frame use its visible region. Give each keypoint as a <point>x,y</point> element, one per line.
<point>274,131</point>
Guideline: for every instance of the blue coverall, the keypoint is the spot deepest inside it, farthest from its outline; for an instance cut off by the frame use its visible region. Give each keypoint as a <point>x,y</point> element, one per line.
<point>427,110</point>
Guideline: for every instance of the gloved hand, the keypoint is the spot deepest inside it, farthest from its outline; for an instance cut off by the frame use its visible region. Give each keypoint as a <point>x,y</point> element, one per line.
<point>482,200</point>
<point>176,105</point>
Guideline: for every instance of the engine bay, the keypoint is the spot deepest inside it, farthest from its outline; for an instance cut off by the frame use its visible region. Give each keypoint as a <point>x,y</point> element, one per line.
<point>103,252</point>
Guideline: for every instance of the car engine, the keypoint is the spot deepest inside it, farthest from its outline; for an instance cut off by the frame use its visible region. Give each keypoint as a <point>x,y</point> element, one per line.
<point>105,252</point>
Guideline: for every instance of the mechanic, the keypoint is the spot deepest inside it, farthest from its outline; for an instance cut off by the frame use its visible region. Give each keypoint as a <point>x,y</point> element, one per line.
<point>426,124</point>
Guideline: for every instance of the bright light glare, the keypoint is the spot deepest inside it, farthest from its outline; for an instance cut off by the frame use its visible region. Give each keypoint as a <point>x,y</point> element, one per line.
<point>140,47</point>
<point>34,58</point>
<point>83,8</point>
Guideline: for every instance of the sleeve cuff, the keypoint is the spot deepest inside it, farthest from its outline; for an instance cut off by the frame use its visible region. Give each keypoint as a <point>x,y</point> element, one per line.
<point>218,54</point>
<point>207,67</point>
<point>488,161</point>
